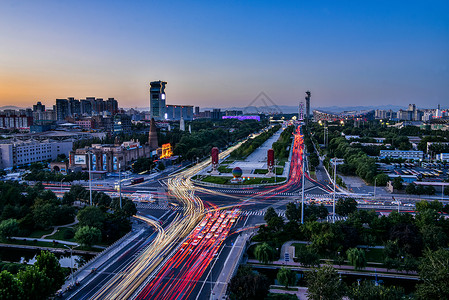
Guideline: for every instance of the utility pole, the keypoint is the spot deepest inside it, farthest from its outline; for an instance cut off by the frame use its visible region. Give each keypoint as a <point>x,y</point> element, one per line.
<point>90,177</point>
<point>335,180</point>
<point>120,183</point>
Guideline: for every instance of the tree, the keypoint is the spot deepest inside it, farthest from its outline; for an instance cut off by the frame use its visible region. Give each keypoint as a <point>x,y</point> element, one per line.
<point>433,237</point>
<point>270,213</point>
<point>35,284</point>
<point>246,285</point>
<point>47,263</point>
<point>10,287</point>
<point>434,272</point>
<point>410,188</point>
<point>397,183</point>
<point>276,223</point>
<point>344,207</point>
<point>292,212</point>
<point>324,284</point>
<point>44,214</point>
<point>367,290</point>
<point>264,253</point>
<point>91,216</point>
<point>286,277</point>
<point>307,257</point>
<point>68,198</point>
<point>8,228</point>
<point>356,258</point>
<point>382,179</point>
<point>88,236</point>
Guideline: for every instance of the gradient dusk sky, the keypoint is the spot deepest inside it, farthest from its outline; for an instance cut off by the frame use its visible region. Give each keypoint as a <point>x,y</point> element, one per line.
<point>223,53</point>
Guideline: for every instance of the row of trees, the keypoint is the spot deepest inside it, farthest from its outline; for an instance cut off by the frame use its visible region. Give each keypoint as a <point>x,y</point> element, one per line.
<point>39,281</point>
<point>252,144</point>
<point>324,283</point>
<point>282,145</point>
<point>25,209</point>
<point>28,208</point>
<point>403,235</point>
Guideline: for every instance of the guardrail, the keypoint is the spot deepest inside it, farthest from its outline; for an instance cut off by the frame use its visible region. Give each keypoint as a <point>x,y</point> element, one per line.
<point>93,259</point>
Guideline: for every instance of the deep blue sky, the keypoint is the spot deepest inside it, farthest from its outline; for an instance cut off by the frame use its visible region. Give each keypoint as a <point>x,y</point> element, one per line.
<point>224,53</point>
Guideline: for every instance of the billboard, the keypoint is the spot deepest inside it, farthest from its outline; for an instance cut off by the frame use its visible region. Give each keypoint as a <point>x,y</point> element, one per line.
<point>166,151</point>
<point>80,159</point>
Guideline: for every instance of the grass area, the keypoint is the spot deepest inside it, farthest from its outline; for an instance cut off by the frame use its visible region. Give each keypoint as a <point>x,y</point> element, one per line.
<point>63,234</point>
<point>375,255</point>
<point>260,171</point>
<point>282,161</point>
<point>298,248</point>
<point>279,171</point>
<point>224,169</point>
<point>261,180</point>
<point>39,233</point>
<point>256,180</point>
<point>217,180</point>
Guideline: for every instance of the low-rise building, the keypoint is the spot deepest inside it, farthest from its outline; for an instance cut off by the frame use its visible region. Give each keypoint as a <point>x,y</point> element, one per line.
<point>109,157</point>
<point>443,156</point>
<point>19,153</point>
<point>405,154</point>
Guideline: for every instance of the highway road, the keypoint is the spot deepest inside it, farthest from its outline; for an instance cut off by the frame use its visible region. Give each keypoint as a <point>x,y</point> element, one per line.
<point>176,261</point>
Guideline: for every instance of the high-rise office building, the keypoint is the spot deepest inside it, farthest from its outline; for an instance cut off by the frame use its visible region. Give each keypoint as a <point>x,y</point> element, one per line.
<point>307,116</point>
<point>62,109</point>
<point>111,106</point>
<point>86,107</point>
<point>38,107</point>
<point>216,114</point>
<point>74,107</point>
<point>157,100</point>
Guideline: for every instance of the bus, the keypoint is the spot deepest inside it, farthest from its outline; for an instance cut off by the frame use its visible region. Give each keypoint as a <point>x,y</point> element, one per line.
<point>137,180</point>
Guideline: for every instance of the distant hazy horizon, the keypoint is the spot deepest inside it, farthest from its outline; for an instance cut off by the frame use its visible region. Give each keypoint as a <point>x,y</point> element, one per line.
<point>223,54</point>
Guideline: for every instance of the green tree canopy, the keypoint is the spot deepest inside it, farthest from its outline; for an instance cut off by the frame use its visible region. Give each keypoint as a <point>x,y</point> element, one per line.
<point>35,284</point>
<point>47,263</point>
<point>91,216</point>
<point>246,285</point>
<point>367,290</point>
<point>264,253</point>
<point>356,258</point>
<point>434,272</point>
<point>88,236</point>
<point>345,206</point>
<point>8,228</point>
<point>286,277</point>
<point>324,284</point>
<point>10,287</point>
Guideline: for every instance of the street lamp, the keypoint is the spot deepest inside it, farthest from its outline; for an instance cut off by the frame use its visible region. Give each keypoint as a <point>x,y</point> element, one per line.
<point>61,183</point>
<point>275,173</point>
<point>71,260</point>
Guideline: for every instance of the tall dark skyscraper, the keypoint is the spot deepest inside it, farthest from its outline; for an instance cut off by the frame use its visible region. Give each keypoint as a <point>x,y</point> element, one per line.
<point>157,100</point>
<point>307,116</point>
<point>62,109</point>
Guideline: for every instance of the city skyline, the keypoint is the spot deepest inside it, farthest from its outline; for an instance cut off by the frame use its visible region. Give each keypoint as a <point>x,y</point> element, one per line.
<point>223,55</point>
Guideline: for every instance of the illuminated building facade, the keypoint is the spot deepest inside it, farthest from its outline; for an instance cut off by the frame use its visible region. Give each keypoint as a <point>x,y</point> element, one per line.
<point>157,100</point>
